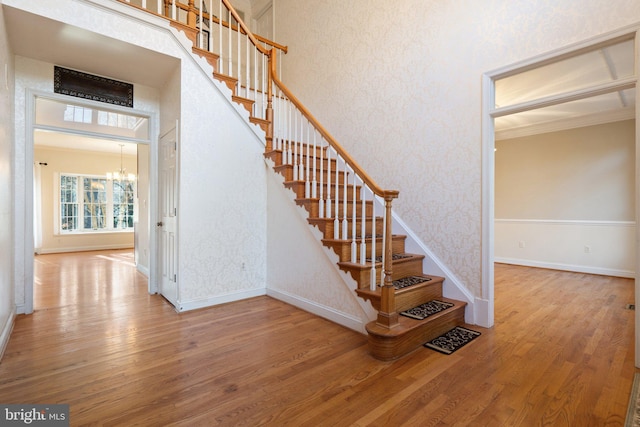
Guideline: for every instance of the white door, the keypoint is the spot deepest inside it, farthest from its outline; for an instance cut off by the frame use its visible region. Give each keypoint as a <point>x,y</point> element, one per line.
<point>167,227</point>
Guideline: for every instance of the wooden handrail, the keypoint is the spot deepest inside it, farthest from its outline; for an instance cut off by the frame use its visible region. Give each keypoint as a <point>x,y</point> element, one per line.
<point>331,140</point>
<point>244,28</point>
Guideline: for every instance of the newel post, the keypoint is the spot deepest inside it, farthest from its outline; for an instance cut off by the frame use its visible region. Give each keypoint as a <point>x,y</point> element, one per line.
<point>269,113</point>
<point>387,315</point>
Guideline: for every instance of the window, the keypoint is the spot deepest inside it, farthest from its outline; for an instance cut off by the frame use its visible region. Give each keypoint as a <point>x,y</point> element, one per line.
<point>104,204</point>
<point>123,203</point>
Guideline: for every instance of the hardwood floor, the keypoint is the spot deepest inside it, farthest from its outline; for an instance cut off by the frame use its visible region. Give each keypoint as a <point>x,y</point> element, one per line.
<point>560,354</point>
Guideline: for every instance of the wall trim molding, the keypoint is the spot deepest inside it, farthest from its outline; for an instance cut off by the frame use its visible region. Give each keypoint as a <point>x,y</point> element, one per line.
<point>83,249</point>
<point>195,304</point>
<point>6,331</point>
<point>567,267</point>
<point>590,223</point>
<point>319,310</point>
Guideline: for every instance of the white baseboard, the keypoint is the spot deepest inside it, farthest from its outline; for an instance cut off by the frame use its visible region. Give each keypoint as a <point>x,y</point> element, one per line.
<point>566,267</point>
<point>219,299</point>
<point>328,313</point>
<point>483,315</point>
<point>143,269</point>
<point>6,332</point>
<point>83,249</point>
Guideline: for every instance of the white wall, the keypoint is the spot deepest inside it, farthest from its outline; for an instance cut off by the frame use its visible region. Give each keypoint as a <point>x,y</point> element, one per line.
<point>81,162</point>
<point>566,199</point>
<point>399,85</point>
<point>222,196</point>
<point>301,271</point>
<point>7,301</point>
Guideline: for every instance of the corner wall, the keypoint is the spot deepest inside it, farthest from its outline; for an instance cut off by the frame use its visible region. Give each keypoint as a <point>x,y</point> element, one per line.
<point>566,200</point>
<point>7,299</point>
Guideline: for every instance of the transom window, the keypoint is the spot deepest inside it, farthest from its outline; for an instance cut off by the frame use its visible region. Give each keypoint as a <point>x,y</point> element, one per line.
<point>95,203</point>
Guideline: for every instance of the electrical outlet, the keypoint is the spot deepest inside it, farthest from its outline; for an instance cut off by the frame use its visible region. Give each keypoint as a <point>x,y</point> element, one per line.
<point>587,249</point>
<point>521,244</point>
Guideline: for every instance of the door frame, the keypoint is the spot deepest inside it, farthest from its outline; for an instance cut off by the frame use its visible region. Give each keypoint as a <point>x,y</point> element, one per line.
<point>488,149</point>
<point>30,127</point>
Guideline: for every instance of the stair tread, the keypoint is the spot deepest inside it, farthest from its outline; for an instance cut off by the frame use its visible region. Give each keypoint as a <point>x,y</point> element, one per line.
<point>359,238</point>
<point>407,323</point>
<point>433,281</point>
<point>400,257</point>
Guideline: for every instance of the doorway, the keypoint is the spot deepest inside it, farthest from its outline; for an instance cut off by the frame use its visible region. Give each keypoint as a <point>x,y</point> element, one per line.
<point>99,181</point>
<point>564,95</point>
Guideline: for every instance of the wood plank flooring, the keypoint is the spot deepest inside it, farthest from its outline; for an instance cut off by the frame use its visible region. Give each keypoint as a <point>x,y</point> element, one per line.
<point>560,354</point>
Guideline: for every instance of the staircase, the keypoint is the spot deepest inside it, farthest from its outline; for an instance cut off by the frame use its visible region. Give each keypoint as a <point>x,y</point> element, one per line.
<point>352,213</point>
<point>411,286</point>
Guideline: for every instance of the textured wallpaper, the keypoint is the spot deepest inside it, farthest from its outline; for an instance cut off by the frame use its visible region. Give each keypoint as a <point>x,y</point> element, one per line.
<point>399,85</point>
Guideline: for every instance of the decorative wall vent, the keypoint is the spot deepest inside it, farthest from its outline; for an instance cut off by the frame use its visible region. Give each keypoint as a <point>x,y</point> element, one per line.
<point>87,86</point>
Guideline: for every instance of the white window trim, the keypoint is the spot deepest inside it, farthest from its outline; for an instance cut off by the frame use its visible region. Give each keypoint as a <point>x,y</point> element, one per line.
<point>109,217</point>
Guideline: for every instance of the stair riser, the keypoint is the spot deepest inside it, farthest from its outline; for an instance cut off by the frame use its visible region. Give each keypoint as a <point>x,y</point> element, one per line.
<point>313,207</point>
<point>326,226</point>
<point>385,346</point>
<point>409,298</point>
<point>320,152</point>
<point>344,249</point>
<point>295,159</point>
<point>287,172</point>
<point>299,187</point>
<point>363,275</point>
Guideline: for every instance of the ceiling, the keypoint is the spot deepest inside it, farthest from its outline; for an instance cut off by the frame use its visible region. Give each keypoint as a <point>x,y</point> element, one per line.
<point>79,49</point>
<point>84,50</point>
<point>600,66</point>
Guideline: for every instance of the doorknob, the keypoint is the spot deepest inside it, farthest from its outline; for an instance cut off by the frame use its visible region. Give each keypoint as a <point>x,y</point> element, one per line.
<point>160,224</point>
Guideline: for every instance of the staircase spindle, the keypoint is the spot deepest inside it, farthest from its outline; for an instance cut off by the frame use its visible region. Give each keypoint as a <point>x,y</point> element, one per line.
<point>328,206</point>
<point>210,41</point>
<point>238,43</point>
<point>301,151</point>
<point>321,212</point>
<point>307,181</point>
<point>220,57</point>
<point>295,145</point>
<point>229,65</point>
<point>363,226</point>
<point>373,283</point>
<point>247,77</point>
<point>262,114</point>
<point>354,227</point>
<point>264,80</point>
<point>289,136</point>
<point>384,245</point>
<point>345,221</point>
<point>200,24</point>
<point>314,182</point>
<point>336,221</point>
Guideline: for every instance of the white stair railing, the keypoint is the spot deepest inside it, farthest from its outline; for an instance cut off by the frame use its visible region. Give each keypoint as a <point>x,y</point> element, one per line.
<point>216,28</point>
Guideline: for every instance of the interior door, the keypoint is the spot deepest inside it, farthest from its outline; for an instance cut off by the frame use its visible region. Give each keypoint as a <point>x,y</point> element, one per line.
<point>167,227</point>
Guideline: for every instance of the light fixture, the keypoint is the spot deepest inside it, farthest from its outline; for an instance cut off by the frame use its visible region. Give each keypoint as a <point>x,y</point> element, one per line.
<point>122,174</point>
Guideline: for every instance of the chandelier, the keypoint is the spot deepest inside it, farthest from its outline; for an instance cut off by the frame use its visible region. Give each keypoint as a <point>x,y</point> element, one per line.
<point>121,175</point>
